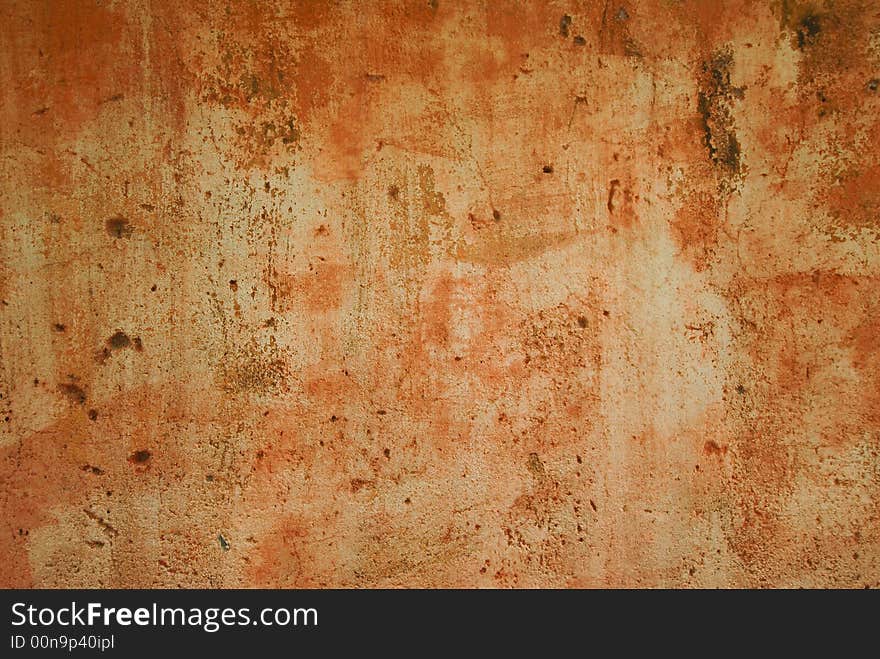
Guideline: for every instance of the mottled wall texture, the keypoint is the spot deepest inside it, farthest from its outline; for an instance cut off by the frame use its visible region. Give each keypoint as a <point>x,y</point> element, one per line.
<point>440,293</point>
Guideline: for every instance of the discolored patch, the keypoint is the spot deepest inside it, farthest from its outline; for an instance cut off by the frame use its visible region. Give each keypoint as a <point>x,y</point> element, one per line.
<point>715,101</point>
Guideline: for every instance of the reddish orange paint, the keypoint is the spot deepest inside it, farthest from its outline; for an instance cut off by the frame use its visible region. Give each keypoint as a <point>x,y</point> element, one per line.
<point>423,293</point>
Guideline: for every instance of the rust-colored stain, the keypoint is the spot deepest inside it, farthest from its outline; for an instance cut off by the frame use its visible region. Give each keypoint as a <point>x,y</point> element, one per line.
<point>435,293</point>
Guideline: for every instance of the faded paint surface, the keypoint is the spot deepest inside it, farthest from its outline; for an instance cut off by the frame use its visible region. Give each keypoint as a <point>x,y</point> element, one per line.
<point>440,293</point>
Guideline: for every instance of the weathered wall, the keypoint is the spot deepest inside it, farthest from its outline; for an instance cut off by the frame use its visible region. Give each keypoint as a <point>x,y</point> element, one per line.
<point>440,293</point>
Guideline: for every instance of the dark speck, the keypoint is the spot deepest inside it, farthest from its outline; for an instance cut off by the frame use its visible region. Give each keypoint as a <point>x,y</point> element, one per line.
<point>119,340</point>
<point>547,169</point>
<point>873,84</point>
<point>496,215</point>
<point>580,41</point>
<point>740,389</point>
<point>224,543</point>
<point>582,322</point>
<point>118,227</point>
<point>74,392</point>
<point>93,415</point>
<point>58,327</point>
<point>564,24</point>
<point>139,457</point>
<point>535,465</point>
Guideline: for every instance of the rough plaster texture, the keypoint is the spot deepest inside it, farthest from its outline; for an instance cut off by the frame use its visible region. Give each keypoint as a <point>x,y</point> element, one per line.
<point>440,293</point>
